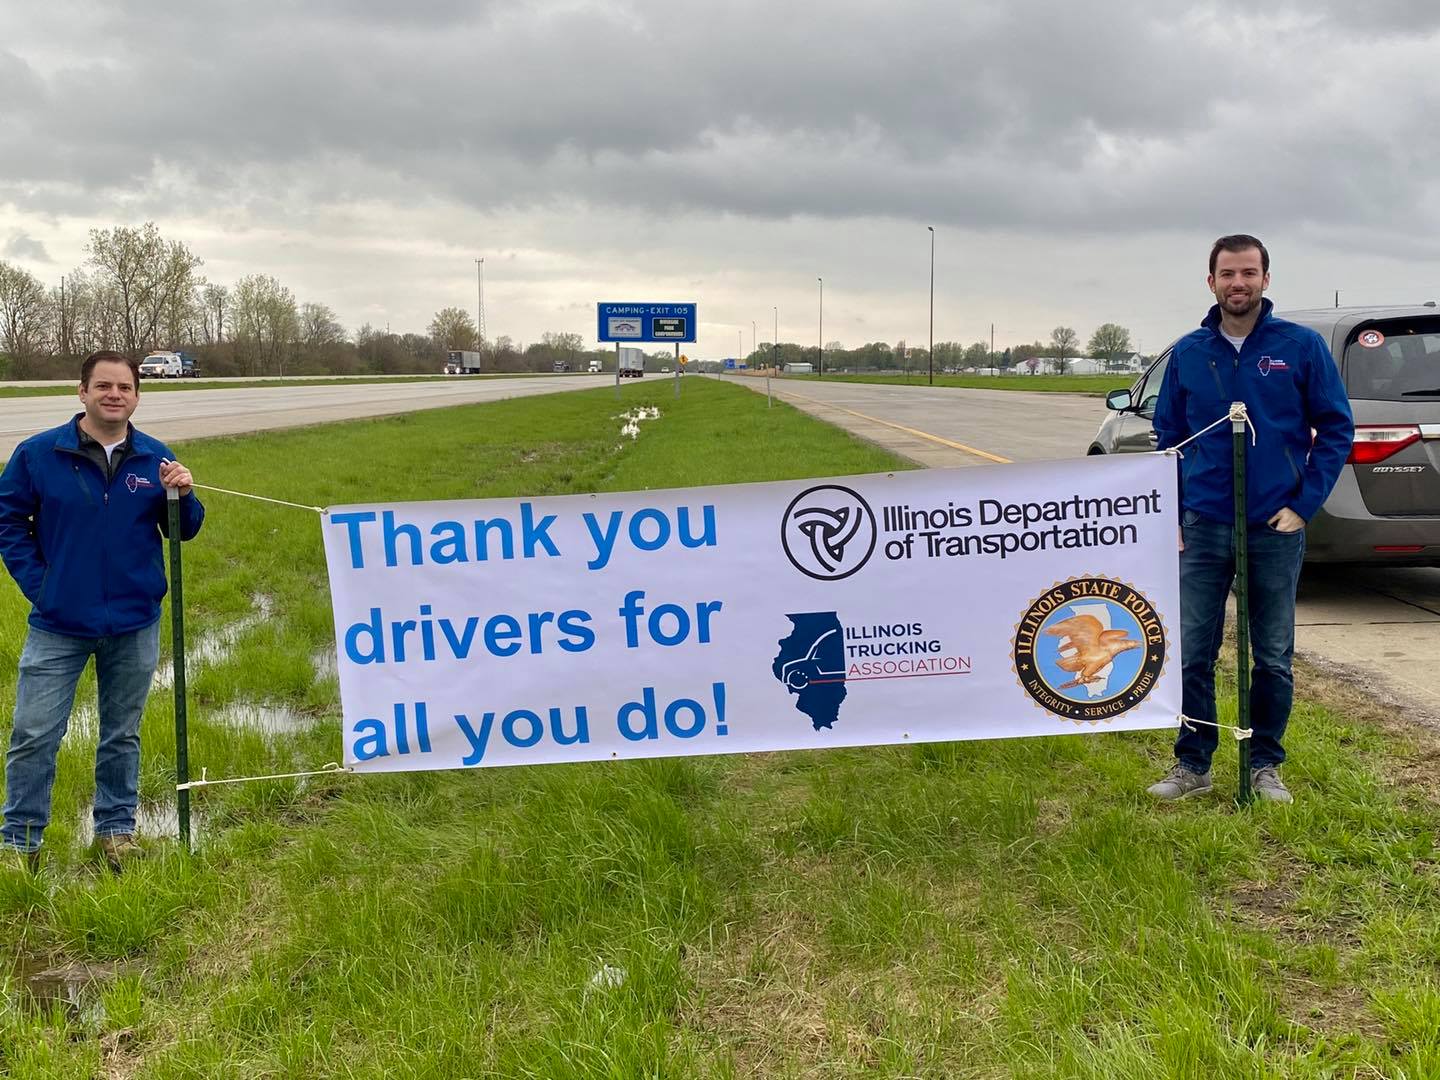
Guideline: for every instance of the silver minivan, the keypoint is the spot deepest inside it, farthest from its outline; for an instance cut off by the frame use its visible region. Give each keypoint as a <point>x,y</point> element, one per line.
<point>1385,509</point>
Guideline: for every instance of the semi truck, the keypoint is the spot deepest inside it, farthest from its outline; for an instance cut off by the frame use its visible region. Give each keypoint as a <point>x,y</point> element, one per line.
<point>632,363</point>
<point>462,362</point>
<point>594,368</point>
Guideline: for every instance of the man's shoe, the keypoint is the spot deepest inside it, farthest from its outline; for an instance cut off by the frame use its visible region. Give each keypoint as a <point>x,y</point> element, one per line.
<point>1267,785</point>
<point>118,848</point>
<point>1180,783</point>
<point>24,862</point>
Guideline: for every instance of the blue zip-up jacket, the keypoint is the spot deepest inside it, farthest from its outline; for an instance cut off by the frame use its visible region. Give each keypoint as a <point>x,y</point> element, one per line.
<point>1290,385</point>
<point>88,554</point>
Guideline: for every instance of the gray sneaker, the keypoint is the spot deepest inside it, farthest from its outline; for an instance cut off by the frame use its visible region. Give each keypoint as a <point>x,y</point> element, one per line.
<point>1180,783</point>
<point>1268,785</point>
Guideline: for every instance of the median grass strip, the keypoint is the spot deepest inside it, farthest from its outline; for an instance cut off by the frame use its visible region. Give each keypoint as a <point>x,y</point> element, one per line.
<point>1014,908</point>
<point>149,386</point>
<point>1093,385</point>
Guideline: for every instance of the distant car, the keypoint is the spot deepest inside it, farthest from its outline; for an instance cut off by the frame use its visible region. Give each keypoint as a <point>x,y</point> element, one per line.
<point>664,371</point>
<point>189,368</point>
<point>1385,509</point>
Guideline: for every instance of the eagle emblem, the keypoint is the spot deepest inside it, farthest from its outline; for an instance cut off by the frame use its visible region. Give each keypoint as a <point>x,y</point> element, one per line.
<point>1087,648</point>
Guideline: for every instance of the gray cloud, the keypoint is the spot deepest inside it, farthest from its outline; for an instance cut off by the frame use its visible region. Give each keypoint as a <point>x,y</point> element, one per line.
<point>18,245</point>
<point>1087,122</point>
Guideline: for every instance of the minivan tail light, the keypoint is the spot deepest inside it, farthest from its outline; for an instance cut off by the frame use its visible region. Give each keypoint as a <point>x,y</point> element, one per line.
<point>1376,443</point>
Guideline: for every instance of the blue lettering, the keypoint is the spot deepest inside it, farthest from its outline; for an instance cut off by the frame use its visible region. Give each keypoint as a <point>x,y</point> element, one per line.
<point>580,637</point>
<point>682,527</point>
<point>352,523</point>
<point>376,653</point>
<point>392,532</point>
<point>478,740</point>
<point>449,545</point>
<point>460,647</point>
<point>371,743</point>
<point>662,530</point>
<point>533,534</point>
<point>604,543</point>
<point>507,728</point>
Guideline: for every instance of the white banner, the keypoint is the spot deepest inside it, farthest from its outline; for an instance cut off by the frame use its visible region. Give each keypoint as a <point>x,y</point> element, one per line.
<point>976,603</point>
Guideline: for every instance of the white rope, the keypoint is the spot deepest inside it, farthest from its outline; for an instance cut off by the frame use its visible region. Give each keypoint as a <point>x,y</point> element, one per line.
<point>1240,733</point>
<point>331,768</point>
<point>261,498</point>
<point>1237,412</point>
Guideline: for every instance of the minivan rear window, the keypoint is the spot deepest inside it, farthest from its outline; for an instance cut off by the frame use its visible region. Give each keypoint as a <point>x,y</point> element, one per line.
<point>1394,360</point>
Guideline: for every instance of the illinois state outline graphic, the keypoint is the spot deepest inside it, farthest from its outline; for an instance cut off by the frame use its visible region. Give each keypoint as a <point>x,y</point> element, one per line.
<point>811,665</point>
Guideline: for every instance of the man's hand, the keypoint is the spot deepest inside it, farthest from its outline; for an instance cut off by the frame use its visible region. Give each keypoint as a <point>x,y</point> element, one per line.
<point>175,475</point>
<point>1286,521</point>
<point>1182,537</point>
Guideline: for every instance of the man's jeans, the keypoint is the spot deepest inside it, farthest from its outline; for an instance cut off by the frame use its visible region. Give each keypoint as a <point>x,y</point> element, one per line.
<point>50,668</point>
<point>1207,568</point>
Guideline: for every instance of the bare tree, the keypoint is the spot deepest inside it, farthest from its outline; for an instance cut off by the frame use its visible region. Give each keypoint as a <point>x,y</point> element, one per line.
<point>453,328</point>
<point>1064,341</point>
<point>149,274</point>
<point>24,316</point>
<point>213,299</point>
<point>264,324</point>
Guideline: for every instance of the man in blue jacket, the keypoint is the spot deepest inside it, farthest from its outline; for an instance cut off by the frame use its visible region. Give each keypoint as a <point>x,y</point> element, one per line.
<point>82,512</point>
<point>1302,429</point>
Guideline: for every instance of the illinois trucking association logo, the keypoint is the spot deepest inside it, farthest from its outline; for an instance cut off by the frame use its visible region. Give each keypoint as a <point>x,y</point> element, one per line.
<point>828,532</point>
<point>1089,649</point>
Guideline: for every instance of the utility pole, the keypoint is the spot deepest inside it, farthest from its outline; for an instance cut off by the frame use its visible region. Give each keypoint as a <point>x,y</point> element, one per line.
<point>775,345</point>
<point>752,337</point>
<point>992,344</point>
<point>821,335</point>
<point>480,309</point>
<point>1337,298</point>
<point>932,303</point>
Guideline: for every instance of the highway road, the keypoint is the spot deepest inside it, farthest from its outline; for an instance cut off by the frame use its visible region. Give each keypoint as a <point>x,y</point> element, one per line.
<point>197,414</point>
<point>1377,627</point>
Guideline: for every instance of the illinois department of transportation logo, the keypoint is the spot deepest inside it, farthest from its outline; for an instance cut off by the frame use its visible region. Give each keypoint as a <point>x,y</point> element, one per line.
<point>828,532</point>
<point>1089,649</point>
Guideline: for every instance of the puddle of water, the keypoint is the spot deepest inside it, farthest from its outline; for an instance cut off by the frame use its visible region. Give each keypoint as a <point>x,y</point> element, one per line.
<point>266,719</point>
<point>215,646</point>
<point>151,819</point>
<point>325,663</point>
<point>41,986</point>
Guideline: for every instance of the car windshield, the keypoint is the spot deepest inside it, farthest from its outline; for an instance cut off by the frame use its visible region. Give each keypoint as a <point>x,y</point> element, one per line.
<point>1394,361</point>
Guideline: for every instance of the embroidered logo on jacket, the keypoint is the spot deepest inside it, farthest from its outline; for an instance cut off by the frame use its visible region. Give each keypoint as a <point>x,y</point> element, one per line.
<point>1269,364</point>
<point>134,482</point>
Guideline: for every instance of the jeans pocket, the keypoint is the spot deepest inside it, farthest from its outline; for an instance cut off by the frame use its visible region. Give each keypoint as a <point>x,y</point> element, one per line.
<point>1189,517</point>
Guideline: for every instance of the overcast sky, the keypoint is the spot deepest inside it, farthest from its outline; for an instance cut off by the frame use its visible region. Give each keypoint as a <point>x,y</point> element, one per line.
<point>1075,159</point>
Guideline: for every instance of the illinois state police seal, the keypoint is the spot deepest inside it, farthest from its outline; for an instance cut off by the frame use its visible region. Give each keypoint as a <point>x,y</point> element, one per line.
<point>1089,649</point>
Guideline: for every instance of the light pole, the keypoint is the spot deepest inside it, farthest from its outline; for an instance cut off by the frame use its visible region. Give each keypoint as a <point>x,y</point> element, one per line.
<point>775,345</point>
<point>821,342</point>
<point>752,337</point>
<point>932,303</point>
<point>740,343</point>
<point>480,308</point>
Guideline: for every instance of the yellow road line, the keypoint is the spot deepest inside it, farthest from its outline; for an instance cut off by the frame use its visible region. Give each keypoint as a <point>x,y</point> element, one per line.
<point>901,427</point>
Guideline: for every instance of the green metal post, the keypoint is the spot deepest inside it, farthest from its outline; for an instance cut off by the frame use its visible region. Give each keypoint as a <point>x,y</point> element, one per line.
<point>177,641</point>
<point>1242,609</point>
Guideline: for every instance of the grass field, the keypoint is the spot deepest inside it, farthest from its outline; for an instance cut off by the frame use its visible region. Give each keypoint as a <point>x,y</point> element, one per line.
<point>150,386</point>
<point>1098,385</point>
<point>997,909</point>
